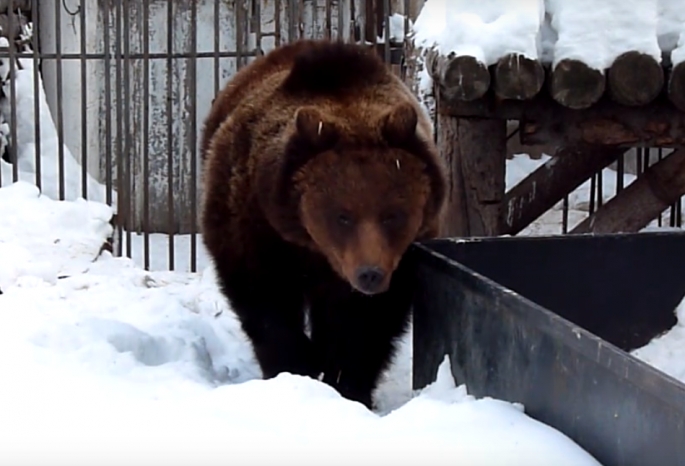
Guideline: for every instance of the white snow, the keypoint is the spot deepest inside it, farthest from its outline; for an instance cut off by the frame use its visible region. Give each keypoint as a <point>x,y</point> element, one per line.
<point>552,30</point>
<point>671,25</point>
<point>667,352</point>
<point>597,33</point>
<point>678,54</point>
<point>105,363</point>
<point>397,33</point>
<point>486,29</point>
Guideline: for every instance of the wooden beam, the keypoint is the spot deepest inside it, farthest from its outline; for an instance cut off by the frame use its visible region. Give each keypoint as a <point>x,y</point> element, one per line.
<point>617,127</point>
<point>642,201</point>
<point>475,154</point>
<point>460,78</point>
<point>517,77</point>
<point>676,86</point>
<point>542,189</point>
<point>575,85</point>
<point>635,79</point>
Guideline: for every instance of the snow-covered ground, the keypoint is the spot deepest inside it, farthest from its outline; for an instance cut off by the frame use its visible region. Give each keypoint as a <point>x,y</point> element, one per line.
<point>552,30</point>
<point>105,363</point>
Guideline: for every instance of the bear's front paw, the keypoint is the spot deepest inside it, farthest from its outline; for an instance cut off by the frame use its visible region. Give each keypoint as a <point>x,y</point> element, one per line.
<point>293,354</point>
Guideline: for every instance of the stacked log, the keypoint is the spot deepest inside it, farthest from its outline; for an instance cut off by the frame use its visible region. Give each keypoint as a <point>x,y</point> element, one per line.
<point>634,79</point>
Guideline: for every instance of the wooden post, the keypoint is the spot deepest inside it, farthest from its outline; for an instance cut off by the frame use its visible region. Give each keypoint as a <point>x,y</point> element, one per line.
<point>642,201</point>
<point>474,151</point>
<point>542,189</point>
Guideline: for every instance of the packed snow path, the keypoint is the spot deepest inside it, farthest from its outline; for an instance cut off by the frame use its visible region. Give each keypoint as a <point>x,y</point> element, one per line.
<point>105,363</point>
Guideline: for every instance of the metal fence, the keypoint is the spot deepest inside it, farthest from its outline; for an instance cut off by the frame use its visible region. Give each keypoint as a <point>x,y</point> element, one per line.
<point>122,89</point>
<point>104,99</point>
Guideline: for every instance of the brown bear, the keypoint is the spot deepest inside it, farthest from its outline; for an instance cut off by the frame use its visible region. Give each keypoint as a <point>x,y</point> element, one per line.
<point>320,170</point>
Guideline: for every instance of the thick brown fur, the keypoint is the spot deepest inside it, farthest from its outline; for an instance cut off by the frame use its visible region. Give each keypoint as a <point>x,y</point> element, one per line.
<point>319,171</point>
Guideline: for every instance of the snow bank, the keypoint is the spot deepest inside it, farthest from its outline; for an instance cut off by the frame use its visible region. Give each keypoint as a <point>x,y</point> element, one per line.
<point>667,352</point>
<point>44,239</point>
<point>596,33</point>
<point>486,29</point>
<point>114,365</point>
<point>552,30</point>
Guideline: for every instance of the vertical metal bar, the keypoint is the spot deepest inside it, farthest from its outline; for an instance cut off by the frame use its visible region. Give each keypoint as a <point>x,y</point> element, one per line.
<point>593,189</point>
<point>600,188</point>
<point>659,156</point>
<point>126,155</point>
<point>564,216</point>
<point>291,20</point>
<point>407,6</point>
<point>14,154</point>
<point>217,45</point>
<point>239,33</point>
<point>257,8</point>
<point>146,134</point>
<point>108,106</point>
<point>300,18</point>
<point>193,133</point>
<point>121,193</point>
<point>328,30</point>
<point>341,19</point>
<point>35,18</point>
<point>60,102</point>
<point>620,172</point>
<point>363,19</point>
<point>386,44</point>
<point>84,104</point>
<point>170,130</point>
<point>277,22</point>
<point>353,21</point>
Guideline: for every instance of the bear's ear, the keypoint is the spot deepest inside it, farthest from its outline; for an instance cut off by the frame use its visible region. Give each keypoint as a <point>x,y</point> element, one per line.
<point>315,130</point>
<point>398,125</point>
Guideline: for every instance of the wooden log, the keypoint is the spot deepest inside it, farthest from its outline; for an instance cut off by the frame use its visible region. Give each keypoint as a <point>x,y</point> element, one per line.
<point>676,86</point>
<point>518,77</point>
<point>575,85</point>
<point>475,154</point>
<point>615,129</point>
<point>635,79</point>
<point>460,77</point>
<point>642,201</point>
<point>560,175</point>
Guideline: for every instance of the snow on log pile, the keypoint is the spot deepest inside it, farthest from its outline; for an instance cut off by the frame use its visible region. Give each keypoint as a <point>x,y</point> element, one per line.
<point>617,44</point>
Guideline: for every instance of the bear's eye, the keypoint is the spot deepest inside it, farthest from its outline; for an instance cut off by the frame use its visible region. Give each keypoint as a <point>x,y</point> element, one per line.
<point>392,218</point>
<point>344,219</point>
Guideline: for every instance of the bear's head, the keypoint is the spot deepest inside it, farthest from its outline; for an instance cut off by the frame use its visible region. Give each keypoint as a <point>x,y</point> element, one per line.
<point>363,201</point>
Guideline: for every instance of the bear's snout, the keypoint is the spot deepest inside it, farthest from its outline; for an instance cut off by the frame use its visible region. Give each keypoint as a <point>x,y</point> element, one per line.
<point>370,280</point>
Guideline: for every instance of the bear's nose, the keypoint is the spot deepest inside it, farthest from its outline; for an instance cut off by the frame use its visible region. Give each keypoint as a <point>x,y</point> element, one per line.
<point>369,279</point>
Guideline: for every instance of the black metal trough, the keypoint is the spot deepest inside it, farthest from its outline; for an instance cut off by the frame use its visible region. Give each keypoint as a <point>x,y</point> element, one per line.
<point>548,322</point>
